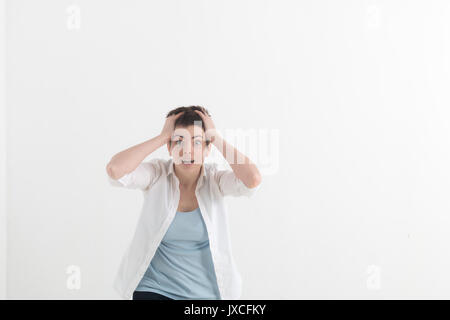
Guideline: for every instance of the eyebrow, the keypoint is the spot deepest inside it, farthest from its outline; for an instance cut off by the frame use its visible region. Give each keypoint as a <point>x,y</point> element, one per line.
<point>178,135</point>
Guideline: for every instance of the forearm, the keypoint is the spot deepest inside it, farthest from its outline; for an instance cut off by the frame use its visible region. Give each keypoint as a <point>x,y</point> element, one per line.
<point>129,159</point>
<point>242,166</point>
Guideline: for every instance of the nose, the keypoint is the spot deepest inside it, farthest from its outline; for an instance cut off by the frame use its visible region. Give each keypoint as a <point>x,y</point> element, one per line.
<point>186,154</point>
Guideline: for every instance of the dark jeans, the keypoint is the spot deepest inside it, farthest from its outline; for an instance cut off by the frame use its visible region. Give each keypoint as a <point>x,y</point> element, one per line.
<point>146,295</point>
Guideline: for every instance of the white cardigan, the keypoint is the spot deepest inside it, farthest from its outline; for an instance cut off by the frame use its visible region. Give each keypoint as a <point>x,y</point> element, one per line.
<point>160,187</point>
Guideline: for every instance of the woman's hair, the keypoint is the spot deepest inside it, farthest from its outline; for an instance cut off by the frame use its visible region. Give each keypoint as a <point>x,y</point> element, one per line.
<point>189,117</point>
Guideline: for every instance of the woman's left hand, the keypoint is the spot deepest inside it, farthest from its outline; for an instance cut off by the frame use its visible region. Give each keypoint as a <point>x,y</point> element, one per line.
<point>210,128</point>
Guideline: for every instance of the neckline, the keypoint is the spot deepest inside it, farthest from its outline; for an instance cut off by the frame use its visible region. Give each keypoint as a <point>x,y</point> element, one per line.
<point>189,211</point>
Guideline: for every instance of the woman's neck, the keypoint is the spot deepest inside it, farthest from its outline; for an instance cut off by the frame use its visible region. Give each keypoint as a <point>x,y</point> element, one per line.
<point>187,181</point>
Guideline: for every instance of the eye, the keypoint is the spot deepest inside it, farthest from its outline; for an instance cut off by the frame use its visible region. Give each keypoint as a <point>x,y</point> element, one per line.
<point>176,142</point>
<point>198,142</point>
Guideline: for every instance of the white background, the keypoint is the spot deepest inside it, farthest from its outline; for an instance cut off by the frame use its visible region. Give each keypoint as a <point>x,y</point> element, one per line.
<point>357,91</point>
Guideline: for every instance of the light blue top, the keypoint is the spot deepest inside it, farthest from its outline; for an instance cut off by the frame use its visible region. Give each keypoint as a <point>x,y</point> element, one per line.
<point>182,267</point>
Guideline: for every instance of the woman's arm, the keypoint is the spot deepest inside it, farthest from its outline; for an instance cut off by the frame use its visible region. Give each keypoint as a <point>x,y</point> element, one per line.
<point>245,169</point>
<point>129,159</point>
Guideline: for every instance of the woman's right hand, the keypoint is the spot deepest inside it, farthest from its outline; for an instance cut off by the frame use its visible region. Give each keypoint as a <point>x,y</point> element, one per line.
<point>169,126</point>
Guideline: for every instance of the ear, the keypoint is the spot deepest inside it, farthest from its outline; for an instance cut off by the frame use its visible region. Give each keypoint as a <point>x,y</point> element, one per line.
<point>208,149</point>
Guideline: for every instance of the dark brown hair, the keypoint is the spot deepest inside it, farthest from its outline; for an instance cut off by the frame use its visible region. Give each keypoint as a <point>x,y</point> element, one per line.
<point>189,117</point>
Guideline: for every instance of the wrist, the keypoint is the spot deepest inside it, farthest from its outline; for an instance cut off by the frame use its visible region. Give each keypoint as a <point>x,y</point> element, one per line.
<point>215,137</point>
<point>210,133</point>
<point>165,138</point>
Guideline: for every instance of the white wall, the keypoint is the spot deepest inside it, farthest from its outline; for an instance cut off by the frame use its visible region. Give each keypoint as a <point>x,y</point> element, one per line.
<point>3,184</point>
<point>357,92</point>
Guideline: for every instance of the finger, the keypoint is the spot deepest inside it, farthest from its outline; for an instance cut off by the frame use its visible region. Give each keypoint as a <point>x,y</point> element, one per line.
<point>178,114</point>
<point>200,113</point>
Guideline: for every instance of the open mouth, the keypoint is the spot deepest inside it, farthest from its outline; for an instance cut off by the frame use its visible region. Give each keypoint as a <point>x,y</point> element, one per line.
<point>187,161</point>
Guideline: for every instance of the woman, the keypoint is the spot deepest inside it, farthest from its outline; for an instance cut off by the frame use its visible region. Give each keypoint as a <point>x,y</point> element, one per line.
<point>181,247</point>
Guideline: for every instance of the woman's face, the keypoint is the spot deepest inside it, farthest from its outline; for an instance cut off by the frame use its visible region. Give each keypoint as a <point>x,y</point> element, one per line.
<point>188,147</point>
